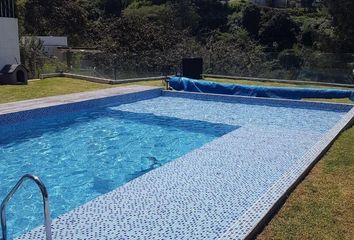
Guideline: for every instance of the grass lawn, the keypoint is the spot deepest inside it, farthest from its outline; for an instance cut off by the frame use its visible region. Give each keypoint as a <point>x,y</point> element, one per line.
<point>321,207</point>
<point>57,86</point>
<point>54,86</point>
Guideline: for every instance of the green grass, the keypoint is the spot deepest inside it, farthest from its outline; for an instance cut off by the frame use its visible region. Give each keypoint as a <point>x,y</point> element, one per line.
<point>58,86</point>
<point>55,86</point>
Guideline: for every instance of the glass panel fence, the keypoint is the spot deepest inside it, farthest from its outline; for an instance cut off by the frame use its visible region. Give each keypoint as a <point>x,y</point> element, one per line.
<point>319,67</point>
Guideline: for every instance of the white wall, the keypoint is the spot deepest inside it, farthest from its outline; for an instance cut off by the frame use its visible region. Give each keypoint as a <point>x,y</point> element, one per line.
<point>51,43</point>
<point>9,42</point>
<point>54,40</point>
<point>260,2</point>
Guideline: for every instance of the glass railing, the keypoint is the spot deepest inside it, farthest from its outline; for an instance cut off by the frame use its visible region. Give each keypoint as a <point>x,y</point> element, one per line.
<point>319,67</point>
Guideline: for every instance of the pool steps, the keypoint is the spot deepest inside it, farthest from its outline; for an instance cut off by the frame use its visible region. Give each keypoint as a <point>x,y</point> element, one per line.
<point>40,184</point>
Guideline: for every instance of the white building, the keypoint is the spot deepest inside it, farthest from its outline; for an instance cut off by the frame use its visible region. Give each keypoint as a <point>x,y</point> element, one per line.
<point>52,43</point>
<point>9,41</point>
<point>271,3</point>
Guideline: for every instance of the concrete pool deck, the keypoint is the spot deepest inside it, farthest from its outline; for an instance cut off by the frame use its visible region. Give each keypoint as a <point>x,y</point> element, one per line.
<point>192,197</point>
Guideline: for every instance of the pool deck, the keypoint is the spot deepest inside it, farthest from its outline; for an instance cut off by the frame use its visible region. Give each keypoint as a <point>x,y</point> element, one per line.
<point>188,198</point>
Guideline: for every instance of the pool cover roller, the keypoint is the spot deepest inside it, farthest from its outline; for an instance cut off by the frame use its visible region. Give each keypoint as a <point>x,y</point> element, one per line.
<point>202,86</point>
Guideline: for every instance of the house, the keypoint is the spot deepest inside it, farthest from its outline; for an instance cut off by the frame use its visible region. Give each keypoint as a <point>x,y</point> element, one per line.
<point>9,41</point>
<point>11,70</point>
<point>271,3</point>
<point>288,3</point>
<point>51,44</point>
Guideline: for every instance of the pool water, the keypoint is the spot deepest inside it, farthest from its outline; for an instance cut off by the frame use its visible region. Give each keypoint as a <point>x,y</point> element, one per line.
<point>85,154</point>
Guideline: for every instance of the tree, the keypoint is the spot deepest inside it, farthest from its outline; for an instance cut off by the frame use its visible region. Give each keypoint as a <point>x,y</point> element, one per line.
<point>58,17</point>
<point>279,32</point>
<point>113,8</point>
<point>213,14</point>
<point>32,54</point>
<point>343,18</point>
<point>251,18</point>
<point>185,14</point>
<point>235,54</point>
<point>136,44</point>
<point>307,3</point>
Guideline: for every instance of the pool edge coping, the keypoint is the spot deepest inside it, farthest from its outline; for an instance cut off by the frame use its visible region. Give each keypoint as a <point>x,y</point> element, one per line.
<point>260,98</point>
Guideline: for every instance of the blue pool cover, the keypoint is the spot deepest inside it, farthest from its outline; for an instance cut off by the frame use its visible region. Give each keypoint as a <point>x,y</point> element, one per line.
<point>191,85</point>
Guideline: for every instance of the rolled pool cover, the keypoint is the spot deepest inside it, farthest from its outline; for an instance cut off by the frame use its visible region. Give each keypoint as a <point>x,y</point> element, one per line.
<point>202,86</point>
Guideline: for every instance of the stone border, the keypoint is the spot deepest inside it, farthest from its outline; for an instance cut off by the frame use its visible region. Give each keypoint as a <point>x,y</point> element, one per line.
<point>332,106</point>
<point>297,82</point>
<point>101,80</point>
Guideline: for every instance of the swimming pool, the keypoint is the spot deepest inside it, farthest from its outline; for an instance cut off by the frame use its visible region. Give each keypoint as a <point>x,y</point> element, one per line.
<point>229,151</point>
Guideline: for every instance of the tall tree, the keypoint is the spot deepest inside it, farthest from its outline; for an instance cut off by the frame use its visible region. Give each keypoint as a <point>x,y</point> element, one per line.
<point>251,18</point>
<point>185,14</point>
<point>57,17</point>
<point>279,32</point>
<point>32,55</point>
<point>343,17</point>
<point>213,14</point>
<point>113,8</point>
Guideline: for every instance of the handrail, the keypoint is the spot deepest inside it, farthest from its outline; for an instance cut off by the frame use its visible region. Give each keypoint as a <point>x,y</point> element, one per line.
<point>40,184</point>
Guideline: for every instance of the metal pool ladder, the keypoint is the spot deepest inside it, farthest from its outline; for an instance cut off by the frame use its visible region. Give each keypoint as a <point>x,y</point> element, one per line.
<point>40,184</point>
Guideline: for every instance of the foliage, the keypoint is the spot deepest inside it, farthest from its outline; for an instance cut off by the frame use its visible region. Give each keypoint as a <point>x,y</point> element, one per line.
<point>158,13</point>
<point>185,14</point>
<point>60,17</point>
<point>234,53</point>
<point>53,65</point>
<point>237,5</point>
<point>343,18</point>
<point>213,14</point>
<point>137,44</point>
<point>32,54</point>
<point>251,19</point>
<point>112,8</point>
<point>290,59</point>
<point>279,32</point>
<point>153,35</point>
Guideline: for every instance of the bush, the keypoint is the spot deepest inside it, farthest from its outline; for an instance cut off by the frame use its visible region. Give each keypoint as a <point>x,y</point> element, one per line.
<point>279,32</point>
<point>32,55</point>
